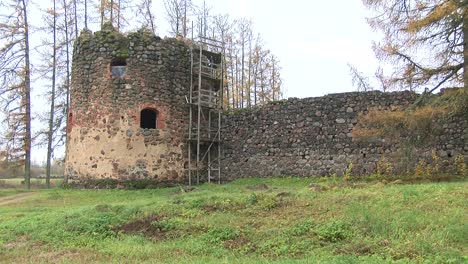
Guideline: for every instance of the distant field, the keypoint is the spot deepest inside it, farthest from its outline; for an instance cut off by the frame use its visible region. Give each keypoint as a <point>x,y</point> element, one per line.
<point>287,220</point>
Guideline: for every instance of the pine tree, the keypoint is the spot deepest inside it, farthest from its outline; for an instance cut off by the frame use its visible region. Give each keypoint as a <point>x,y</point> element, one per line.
<point>424,40</point>
<point>15,82</point>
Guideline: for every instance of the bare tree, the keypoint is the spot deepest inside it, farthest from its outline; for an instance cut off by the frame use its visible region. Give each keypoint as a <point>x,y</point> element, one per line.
<point>146,16</point>
<point>244,31</point>
<point>223,28</point>
<point>75,16</point>
<point>177,13</point>
<point>204,19</point>
<point>275,79</point>
<point>113,11</point>
<point>15,80</point>
<point>85,14</point>
<point>257,61</point>
<point>359,79</point>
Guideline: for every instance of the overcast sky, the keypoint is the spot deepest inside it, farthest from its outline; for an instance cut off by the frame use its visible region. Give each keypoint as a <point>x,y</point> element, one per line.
<point>314,40</point>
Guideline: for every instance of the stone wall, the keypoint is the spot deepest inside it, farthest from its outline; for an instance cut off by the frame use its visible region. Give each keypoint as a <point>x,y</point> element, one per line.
<point>105,140</point>
<point>296,137</point>
<point>313,137</point>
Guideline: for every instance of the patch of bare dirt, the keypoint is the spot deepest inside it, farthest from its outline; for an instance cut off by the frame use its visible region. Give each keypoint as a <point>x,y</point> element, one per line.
<point>20,242</point>
<point>240,243</point>
<point>54,255</point>
<point>12,199</point>
<point>147,226</point>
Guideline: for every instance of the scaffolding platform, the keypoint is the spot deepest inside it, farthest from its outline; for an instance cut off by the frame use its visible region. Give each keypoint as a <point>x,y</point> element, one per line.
<point>206,104</point>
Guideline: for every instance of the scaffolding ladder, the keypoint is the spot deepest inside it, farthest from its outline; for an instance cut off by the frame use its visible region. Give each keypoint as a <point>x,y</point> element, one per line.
<point>206,104</point>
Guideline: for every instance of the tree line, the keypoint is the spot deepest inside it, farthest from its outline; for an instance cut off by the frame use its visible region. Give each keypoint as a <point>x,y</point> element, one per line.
<point>253,73</point>
<point>39,57</point>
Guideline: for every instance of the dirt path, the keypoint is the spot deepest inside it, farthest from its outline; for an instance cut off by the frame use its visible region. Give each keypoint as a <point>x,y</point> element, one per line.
<point>15,198</point>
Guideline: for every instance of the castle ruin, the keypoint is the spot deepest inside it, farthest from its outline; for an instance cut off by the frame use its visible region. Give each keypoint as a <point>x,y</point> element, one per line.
<point>146,108</point>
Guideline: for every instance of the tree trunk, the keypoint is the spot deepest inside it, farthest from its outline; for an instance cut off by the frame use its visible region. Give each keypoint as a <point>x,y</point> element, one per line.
<point>256,75</point>
<point>465,49</point>
<point>52,103</point>
<point>225,72</point>
<point>75,11</point>
<point>262,86</point>
<point>112,12</point>
<point>249,80</point>
<point>85,14</point>
<point>27,101</point>
<point>237,83</point>
<point>118,15</point>
<point>148,9</point>
<point>273,78</point>
<point>67,91</point>
<point>184,25</point>
<point>102,13</point>
<point>242,70</point>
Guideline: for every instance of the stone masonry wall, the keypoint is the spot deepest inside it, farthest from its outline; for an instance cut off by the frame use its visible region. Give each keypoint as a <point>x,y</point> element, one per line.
<point>313,137</point>
<point>296,137</point>
<point>105,140</point>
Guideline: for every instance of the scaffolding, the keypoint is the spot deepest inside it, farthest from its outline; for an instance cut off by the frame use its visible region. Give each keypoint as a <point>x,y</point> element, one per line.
<point>206,104</point>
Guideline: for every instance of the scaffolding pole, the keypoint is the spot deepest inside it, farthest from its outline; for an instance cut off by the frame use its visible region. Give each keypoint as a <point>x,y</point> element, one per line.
<point>206,98</point>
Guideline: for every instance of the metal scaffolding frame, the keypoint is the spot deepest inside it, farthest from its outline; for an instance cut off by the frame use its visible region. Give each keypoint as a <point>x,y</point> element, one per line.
<point>206,104</point>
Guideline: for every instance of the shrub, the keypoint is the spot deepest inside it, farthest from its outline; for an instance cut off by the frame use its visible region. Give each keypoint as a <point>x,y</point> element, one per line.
<point>301,228</point>
<point>252,199</point>
<point>219,234</point>
<point>334,231</point>
<point>384,167</point>
<point>435,165</point>
<point>262,200</point>
<point>347,173</point>
<point>421,169</point>
<point>460,166</point>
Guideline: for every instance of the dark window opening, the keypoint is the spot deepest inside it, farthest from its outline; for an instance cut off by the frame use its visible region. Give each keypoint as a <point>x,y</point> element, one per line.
<point>118,67</point>
<point>148,118</point>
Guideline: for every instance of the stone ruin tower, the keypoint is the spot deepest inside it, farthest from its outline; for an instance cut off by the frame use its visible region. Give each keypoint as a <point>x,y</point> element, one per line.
<point>135,112</point>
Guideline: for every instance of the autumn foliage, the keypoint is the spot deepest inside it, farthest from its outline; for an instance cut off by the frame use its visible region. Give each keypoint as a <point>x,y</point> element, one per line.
<point>414,124</point>
<point>396,124</point>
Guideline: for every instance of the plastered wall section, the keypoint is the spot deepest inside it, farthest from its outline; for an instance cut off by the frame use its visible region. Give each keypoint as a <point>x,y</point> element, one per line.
<point>105,140</point>
<point>120,149</point>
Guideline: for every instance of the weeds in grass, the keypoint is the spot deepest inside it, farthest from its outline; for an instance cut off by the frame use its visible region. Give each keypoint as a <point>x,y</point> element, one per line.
<point>347,173</point>
<point>301,229</point>
<point>219,234</point>
<point>460,166</point>
<point>334,231</point>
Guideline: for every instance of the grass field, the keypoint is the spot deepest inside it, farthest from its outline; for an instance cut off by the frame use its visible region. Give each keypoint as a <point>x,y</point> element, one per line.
<point>36,183</point>
<point>246,221</point>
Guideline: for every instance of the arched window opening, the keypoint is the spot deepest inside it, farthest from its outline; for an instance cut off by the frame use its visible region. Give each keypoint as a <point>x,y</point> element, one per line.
<point>148,118</point>
<point>118,67</point>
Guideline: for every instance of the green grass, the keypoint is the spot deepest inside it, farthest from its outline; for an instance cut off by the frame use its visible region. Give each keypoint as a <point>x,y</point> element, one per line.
<point>242,222</point>
<point>36,183</point>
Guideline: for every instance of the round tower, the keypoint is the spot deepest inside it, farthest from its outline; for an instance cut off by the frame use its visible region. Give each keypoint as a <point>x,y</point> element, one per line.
<point>128,113</point>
